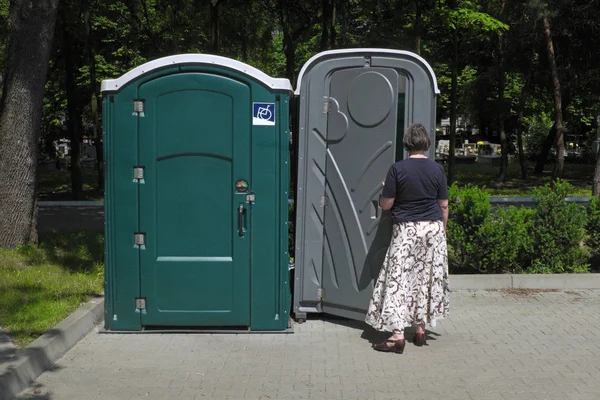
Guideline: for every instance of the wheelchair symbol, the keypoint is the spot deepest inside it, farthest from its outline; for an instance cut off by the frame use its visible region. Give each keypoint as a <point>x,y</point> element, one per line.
<point>264,113</point>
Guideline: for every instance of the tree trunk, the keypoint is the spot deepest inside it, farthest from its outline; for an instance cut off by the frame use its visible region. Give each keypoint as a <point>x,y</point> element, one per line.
<point>98,143</point>
<point>418,26</point>
<point>520,144</point>
<point>560,142</point>
<point>215,45</point>
<point>94,103</point>
<point>453,105</point>
<point>30,34</point>
<point>74,115</point>
<point>500,105</point>
<point>244,44</point>
<point>289,50</point>
<point>504,158</point>
<point>546,146</point>
<point>326,15</point>
<point>332,33</point>
<point>596,182</point>
<point>520,130</point>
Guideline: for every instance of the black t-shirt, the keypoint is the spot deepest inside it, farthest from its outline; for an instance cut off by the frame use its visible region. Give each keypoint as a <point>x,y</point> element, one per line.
<point>416,184</point>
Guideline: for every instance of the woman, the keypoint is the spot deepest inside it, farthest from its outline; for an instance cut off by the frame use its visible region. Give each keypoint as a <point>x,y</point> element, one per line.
<point>412,287</point>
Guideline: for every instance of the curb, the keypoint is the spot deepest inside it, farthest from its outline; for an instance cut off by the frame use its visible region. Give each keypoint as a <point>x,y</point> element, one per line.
<point>40,355</point>
<point>525,281</point>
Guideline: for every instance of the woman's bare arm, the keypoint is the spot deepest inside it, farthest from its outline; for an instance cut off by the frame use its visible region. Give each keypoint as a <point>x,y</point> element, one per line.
<point>386,203</point>
<point>444,207</point>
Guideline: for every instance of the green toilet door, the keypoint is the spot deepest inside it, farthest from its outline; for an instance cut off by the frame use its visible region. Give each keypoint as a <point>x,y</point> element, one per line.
<point>194,145</point>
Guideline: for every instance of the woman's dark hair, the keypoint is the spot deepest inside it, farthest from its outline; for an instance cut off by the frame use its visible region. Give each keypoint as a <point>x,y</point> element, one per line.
<point>416,138</point>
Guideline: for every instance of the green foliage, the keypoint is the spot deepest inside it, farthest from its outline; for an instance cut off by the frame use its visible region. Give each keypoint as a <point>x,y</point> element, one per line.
<point>593,226</point>
<point>466,18</point>
<point>539,126</point>
<point>505,237</point>
<point>557,232</point>
<point>548,238</point>
<point>470,210</point>
<point>484,240</point>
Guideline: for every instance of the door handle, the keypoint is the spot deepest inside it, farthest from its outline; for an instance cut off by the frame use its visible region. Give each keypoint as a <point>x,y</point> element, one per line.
<point>241,220</point>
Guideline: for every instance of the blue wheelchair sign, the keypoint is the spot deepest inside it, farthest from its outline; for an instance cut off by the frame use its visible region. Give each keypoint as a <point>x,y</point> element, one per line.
<point>263,114</point>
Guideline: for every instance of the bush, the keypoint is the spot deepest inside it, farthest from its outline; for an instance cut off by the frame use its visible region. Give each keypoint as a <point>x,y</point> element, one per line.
<point>546,239</point>
<point>507,237</point>
<point>557,232</point>
<point>484,240</point>
<point>593,226</point>
<point>469,210</point>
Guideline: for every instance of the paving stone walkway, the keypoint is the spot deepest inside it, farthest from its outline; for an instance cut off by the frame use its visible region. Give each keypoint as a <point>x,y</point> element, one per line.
<point>495,345</point>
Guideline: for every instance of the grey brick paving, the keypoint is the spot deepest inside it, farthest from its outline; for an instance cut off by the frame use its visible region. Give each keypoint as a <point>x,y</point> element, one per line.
<point>495,345</point>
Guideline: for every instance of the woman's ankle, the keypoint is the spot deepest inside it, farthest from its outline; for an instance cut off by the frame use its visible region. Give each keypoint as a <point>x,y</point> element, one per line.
<point>397,335</point>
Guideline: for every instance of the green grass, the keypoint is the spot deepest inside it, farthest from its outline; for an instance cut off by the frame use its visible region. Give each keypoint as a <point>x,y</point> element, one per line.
<point>41,285</point>
<point>56,185</point>
<point>485,175</point>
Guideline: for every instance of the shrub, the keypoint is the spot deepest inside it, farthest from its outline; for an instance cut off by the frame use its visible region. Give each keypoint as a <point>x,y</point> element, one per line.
<point>506,238</point>
<point>469,209</point>
<point>552,237</point>
<point>557,232</point>
<point>593,226</point>
<point>482,239</point>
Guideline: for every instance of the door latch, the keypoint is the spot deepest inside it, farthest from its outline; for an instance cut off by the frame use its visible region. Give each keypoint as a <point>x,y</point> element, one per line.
<point>140,303</point>
<point>139,239</point>
<point>138,108</point>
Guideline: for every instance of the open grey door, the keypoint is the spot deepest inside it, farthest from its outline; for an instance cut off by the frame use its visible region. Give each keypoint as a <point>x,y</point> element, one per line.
<point>361,136</point>
<point>348,121</point>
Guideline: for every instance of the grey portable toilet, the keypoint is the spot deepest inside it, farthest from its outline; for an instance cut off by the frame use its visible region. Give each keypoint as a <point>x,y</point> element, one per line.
<point>354,106</point>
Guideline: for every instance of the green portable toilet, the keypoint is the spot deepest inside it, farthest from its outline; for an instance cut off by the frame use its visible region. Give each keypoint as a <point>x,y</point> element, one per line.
<point>196,152</point>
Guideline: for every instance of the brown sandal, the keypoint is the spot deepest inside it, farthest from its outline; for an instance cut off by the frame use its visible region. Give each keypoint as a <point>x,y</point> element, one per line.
<point>396,346</point>
<point>420,339</point>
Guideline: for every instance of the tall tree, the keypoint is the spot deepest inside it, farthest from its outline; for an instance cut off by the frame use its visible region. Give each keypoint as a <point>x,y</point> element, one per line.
<point>215,26</point>
<point>327,24</point>
<point>296,19</point>
<point>557,95</point>
<point>91,52</point>
<point>463,23</point>
<point>75,107</point>
<point>501,106</point>
<point>31,30</point>
<point>596,180</point>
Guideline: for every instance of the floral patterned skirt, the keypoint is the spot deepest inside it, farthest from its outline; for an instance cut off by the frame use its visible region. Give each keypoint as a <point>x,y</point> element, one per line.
<point>412,287</point>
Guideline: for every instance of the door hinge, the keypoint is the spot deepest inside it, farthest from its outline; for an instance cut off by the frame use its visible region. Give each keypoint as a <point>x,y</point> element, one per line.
<point>324,201</point>
<point>139,239</point>
<point>138,107</point>
<point>326,106</point>
<point>140,303</point>
<point>138,173</point>
<point>321,294</point>
<point>250,198</point>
